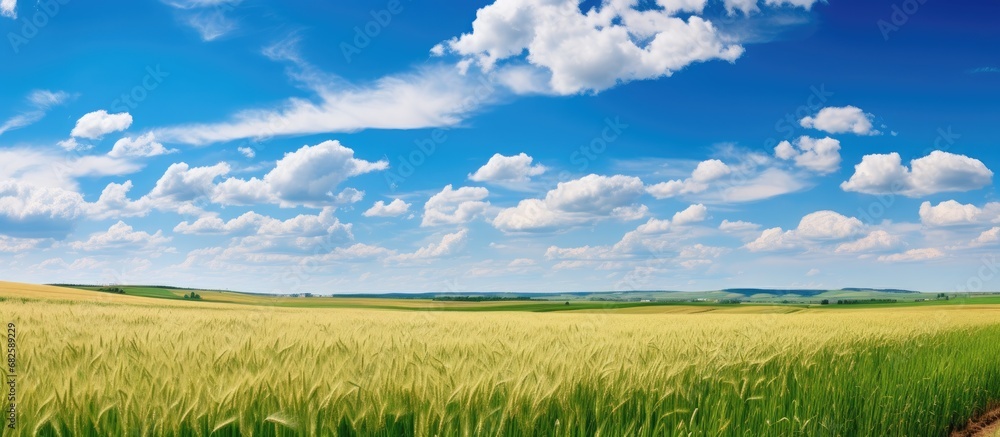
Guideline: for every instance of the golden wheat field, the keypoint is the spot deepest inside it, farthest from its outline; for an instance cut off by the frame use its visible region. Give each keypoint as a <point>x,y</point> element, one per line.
<point>118,365</point>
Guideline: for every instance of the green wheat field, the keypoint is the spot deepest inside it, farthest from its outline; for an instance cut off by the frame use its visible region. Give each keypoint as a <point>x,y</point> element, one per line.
<point>93,363</point>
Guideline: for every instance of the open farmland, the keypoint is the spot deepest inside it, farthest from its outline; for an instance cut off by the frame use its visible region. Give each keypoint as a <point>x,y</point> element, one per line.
<point>106,364</point>
<point>714,300</point>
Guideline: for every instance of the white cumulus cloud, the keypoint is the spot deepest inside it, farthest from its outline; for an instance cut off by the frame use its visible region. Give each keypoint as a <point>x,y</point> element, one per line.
<point>819,155</point>
<point>142,146</point>
<point>585,200</point>
<point>737,226</point>
<point>876,240</point>
<point>847,119</point>
<point>214,225</point>
<point>814,228</point>
<point>449,245</point>
<point>705,173</point>
<point>938,172</point>
<point>950,213</point>
<point>508,169</point>
<point>121,236</point>
<point>15,245</point>
<point>574,51</point>
<point>913,255</point>
<point>307,176</point>
<point>95,125</point>
<point>991,235</point>
<point>451,206</point>
<point>772,239</point>
<point>28,210</point>
<point>394,209</point>
<point>828,225</point>
<point>693,214</point>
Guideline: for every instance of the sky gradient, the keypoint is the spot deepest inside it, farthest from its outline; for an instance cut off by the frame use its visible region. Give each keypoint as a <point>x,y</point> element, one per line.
<point>390,146</point>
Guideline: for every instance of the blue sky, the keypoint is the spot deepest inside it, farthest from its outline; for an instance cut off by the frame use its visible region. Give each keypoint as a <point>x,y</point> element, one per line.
<point>507,146</point>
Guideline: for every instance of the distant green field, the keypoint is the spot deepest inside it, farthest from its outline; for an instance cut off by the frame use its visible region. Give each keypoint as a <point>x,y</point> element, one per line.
<point>973,300</point>
<point>161,293</point>
<point>366,303</point>
<point>576,302</point>
<point>385,303</point>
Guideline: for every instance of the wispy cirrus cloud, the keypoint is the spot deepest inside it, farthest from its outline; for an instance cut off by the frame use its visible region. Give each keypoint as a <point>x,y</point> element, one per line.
<point>210,18</point>
<point>39,103</point>
<point>981,70</point>
<point>430,96</point>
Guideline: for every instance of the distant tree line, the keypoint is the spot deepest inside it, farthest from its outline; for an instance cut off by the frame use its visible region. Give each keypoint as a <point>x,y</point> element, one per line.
<point>633,299</point>
<point>115,290</point>
<point>480,298</point>
<point>863,301</point>
<point>883,290</point>
<point>192,295</point>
